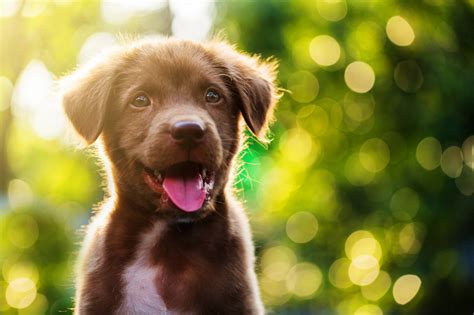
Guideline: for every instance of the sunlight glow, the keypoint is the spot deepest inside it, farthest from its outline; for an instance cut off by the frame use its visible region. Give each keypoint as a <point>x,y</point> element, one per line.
<point>192,19</point>
<point>120,11</point>
<point>6,88</point>
<point>34,99</point>
<point>94,45</point>
<point>9,7</point>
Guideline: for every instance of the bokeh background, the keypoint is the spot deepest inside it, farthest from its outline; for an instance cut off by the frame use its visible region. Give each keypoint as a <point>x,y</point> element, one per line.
<point>361,204</point>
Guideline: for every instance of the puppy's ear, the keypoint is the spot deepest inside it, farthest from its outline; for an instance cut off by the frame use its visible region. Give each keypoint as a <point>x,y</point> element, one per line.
<point>253,80</point>
<point>86,94</point>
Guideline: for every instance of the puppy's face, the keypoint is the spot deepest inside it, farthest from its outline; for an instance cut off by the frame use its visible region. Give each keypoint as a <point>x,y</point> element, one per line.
<point>169,116</point>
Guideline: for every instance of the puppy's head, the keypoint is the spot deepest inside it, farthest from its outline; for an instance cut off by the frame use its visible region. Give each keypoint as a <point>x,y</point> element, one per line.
<point>168,114</point>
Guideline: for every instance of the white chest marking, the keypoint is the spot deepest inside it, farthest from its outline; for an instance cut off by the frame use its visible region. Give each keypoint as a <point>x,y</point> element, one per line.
<point>139,292</point>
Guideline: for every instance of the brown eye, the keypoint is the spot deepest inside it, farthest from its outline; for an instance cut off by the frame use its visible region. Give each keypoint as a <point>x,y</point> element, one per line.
<point>212,96</point>
<point>141,101</point>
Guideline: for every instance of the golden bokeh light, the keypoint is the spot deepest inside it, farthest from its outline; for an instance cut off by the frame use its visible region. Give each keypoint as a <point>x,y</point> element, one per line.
<point>332,10</point>
<point>324,50</point>
<point>359,77</point>
<point>349,305</point>
<point>275,264</point>
<point>6,90</point>
<point>405,204</point>
<point>359,107</point>
<point>313,119</point>
<point>339,273</point>
<point>408,76</point>
<point>362,242</point>
<point>374,155</point>
<point>366,246</point>
<point>281,182</point>
<point>452,161</point>
<point>274,292</point>
<point>399,31</point>
<point>20,194</point>
<point>303,86</point>
<point>428,153</point>
<point>304,280</point>
<point>405,288</point>
<point>377,289</point>
<point>365,41</point>
<point>407,239</point>
<point>355,173</point>
<point>297,146</point>
<point>468,152</point>
<point>465,182</point>
<point>277,261</point>
<point>23,231</point>
<point>20,293</point>
<point>39,306</point>
<point>23,269</point>
<point>302,227</point>
<point>363,270</point>
<point>369,309</point>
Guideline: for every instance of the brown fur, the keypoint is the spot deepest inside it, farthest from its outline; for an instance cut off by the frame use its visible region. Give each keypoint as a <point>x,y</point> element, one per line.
<point>206,257</point>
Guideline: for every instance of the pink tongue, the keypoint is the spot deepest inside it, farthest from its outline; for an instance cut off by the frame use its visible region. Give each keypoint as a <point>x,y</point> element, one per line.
<point>185,188</point>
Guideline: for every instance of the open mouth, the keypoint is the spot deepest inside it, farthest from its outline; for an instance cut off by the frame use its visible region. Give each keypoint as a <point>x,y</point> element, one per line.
<point>187,184</point>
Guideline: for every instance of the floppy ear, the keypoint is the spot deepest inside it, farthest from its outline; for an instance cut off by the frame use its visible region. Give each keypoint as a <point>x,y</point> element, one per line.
<point>253,80</point>
<point>86,94</point>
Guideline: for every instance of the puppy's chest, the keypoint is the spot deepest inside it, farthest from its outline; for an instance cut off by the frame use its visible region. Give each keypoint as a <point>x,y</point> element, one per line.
<point>139,290</point>
<point>140,294</point>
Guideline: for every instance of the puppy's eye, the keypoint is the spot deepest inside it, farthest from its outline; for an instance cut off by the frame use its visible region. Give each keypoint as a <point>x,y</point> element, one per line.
<point>212,96</point>
<point>141,101</point>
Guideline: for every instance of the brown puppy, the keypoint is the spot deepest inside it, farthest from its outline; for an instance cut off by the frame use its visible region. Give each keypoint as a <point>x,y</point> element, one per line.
<point>171,239</point>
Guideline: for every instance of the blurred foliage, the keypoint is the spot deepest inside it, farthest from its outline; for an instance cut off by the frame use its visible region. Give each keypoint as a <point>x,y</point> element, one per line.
<point>361,204</point>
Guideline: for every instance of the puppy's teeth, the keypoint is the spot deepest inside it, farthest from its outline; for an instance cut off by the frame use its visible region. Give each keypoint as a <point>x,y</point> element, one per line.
<point>158,175</point>
<point>204,173</point>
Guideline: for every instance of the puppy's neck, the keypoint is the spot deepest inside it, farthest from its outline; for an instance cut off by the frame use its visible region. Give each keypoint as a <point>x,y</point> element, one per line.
<point>128,207</point>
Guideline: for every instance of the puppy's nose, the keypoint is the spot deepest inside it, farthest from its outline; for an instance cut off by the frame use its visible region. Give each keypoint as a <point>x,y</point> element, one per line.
<point>188,132</point>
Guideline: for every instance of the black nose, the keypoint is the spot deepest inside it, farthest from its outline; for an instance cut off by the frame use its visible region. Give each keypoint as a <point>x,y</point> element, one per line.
<point>188,133</point>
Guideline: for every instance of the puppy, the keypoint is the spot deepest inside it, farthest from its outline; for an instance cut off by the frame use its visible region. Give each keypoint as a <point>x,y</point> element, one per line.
<point>171,239</point>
